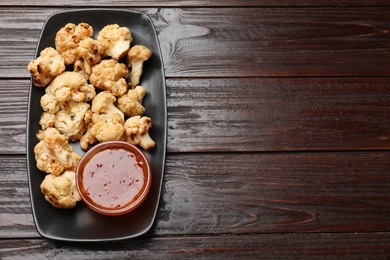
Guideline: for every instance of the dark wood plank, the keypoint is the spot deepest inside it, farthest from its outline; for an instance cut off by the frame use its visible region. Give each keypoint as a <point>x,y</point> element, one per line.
<point>229,42</point>
<point>254,114</point>
<point>292,192</point>
<point>278,114</point>
<point>264,246</point>
<point>184,3</point>
<point>244,193</point>
<point>15,208</point>
<point>13,115</point>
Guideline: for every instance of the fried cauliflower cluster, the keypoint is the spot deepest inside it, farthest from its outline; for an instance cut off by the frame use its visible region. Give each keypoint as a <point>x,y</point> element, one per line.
<point>46,67</point>
<point>107,121</point>
<point>136,57</point>
<point>89,52</point>
<point>72,120</point>
<point>110,75</point>
<point>68,39</point>
<point>61,190</point>
<point>131,103</point>
<point>65,87</point>
<point>53,153</point>
<point>137,131</point>
<point>115,40</point>
<point>93,103</point>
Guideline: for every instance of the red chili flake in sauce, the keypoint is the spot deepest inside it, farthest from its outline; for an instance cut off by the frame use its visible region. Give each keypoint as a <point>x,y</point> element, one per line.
<point>112,183</point>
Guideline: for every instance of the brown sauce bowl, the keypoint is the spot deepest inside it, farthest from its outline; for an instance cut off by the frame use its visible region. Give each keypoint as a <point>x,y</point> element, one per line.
<point>113,178</point>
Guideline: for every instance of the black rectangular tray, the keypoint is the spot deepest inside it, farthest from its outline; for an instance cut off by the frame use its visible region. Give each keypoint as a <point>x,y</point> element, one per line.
<point>81,223</point>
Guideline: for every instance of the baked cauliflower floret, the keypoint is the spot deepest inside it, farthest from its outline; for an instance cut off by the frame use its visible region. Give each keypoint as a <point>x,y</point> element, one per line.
<point>46,67</point>
<point>115,40</point>
<point>136,57</point>
<point>70,121</point>
<point>111,76</point>
<point>78,66</point>
<point>51,104</point>
<point>103,107</point>
<point>137,131</point>
<point>131,103</point>
<point>68,39</point>
<point>87,138</point>
<point>47,120</point>
<point>53,153</point>
<point>111,129</point>
<point>107,121</point>
<point>65,87</point>
<point>89,52</point>
<point>61,190</point>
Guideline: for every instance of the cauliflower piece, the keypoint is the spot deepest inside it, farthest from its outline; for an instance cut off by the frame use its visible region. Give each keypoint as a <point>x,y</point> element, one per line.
<point>87,138</point>
<point>47,120</point>
<point>46,67</point>
<point>131,103</point>
<point>103,107</point>
<point>115,40</point>
<point>110,75</point>
<point>107,121</point>
<point>65,87</point>
<point>80,68</point>
<point>53,153</point>
<point>61,190</point>
<point>89,52</point>
<point>68,39</point>
<point>111,129</point>
<point>70,121</point>
<point>136,57</point>
<point>137,131</point>
<point>50,103</point>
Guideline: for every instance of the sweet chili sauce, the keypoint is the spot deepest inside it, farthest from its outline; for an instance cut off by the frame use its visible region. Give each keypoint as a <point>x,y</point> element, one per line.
<point>113,178</point>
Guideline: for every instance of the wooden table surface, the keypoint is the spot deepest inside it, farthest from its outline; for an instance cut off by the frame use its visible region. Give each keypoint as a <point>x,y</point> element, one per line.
<point>278,130</point>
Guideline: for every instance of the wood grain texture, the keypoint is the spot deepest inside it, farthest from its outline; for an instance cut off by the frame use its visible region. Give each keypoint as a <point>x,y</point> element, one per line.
<point>187,3</point>
<point>13,115</point>
<point>15,208</point>
<point>256,193</point>
<point>246,42</point>
<point>278,114</point>
<point>240,193</point>
<point>256,114</point>
<point>262,246</point>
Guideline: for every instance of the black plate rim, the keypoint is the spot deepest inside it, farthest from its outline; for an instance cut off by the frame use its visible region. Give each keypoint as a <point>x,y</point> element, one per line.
<point>164,137</point>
